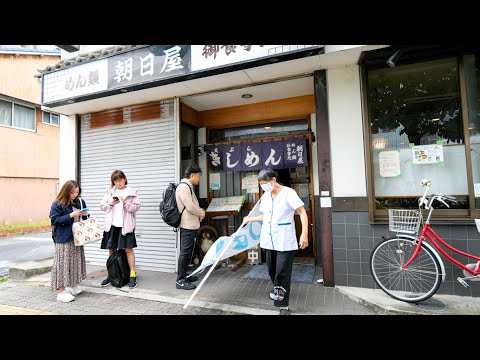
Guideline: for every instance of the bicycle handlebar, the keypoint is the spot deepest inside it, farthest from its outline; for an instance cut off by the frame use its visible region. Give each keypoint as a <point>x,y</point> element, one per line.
<point>440,197</point>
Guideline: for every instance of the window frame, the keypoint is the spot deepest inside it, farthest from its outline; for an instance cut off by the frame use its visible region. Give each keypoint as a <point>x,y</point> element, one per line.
<point>443,216</point>
<point>50,118</point>
<point>13,103</point>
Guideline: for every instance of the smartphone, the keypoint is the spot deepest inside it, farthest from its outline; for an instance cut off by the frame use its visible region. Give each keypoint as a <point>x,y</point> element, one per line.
<point>116,198</point>
<point>83,210</point>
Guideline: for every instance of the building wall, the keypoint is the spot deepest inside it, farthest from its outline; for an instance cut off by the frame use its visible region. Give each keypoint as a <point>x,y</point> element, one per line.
<point>28,171</point>
<point>28,154</point>
<point>347,148</point>
<point>68,154</point>
<point>27,199</point>
<point>354,239</point>
<point>18,72</point>
<point>28,159</point>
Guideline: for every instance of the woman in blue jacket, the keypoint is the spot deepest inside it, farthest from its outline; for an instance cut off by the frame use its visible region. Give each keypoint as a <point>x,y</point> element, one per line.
<point>69,267</point>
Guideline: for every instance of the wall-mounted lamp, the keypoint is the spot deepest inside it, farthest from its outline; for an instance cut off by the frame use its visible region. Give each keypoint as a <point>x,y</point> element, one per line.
<point>394,58</point>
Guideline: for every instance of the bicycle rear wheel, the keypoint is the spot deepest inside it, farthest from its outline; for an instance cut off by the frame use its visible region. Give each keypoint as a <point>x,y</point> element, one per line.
<point>418,282</point>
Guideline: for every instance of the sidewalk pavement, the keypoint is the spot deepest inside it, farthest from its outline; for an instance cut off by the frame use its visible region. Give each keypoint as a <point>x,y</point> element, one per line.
<point>225,292</point>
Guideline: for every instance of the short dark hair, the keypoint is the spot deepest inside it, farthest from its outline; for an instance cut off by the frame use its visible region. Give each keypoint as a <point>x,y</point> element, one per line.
<point>267,175</point>
<point>192,169</point>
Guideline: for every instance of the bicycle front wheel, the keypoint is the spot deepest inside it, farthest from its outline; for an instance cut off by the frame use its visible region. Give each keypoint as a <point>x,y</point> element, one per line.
<point>418,282</point>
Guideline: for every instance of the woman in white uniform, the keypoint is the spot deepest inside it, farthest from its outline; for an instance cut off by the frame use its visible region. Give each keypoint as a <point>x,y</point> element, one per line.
<point>278,238</point>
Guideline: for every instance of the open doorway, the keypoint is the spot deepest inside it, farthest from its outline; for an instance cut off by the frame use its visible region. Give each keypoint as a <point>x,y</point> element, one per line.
<point>298,178</point>
<point>271,112</point>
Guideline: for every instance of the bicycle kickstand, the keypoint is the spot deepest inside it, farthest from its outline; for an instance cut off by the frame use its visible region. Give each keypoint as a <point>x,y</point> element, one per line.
<point>463,282</point>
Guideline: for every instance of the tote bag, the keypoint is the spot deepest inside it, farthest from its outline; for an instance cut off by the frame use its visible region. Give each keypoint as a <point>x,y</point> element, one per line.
<point>86,231</point>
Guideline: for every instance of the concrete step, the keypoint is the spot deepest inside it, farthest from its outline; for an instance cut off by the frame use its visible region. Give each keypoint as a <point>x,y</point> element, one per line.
<point>31,268</point>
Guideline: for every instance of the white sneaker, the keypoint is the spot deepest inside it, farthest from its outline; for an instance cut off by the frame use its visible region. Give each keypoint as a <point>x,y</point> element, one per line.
<point>65,296</point>
<point>74,290</point>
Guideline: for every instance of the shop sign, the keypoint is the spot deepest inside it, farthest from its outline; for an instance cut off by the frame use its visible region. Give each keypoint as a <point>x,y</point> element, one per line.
<point>212,56</point>
<point>143,65</point>
<point>152,63</point>
<point>75,81</point>
<point>249,155</point>
<point>146,64</point>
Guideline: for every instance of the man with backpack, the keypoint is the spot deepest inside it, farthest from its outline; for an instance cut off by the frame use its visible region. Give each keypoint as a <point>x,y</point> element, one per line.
<point>192,215</point>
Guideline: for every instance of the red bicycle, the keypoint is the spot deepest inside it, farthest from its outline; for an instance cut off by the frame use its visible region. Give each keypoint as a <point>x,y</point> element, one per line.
<point>406,266</point>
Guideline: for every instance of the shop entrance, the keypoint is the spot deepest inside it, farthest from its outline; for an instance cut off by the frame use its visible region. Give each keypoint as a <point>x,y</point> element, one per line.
<point>229,123</point>
<point>231,183</point>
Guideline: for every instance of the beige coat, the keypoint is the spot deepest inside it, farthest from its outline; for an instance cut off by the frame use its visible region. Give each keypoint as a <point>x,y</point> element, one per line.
<point>192,213</point>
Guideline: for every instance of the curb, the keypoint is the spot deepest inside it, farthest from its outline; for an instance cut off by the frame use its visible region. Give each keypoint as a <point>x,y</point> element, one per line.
<point>28,269</point>
<point>41,229</point>
<point>153,296</point>
<point>380,310</point>
<point>382,304</point>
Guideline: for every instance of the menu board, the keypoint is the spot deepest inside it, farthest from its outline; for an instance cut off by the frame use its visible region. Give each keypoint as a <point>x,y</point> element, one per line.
<point>231,203</point>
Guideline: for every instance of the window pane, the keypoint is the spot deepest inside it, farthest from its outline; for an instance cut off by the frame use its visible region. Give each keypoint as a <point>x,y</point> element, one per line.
<point>258,131</point>
<point>55,119</point>
<point>417,132</point>
<point>472,80</point>
<point>5,113</point>
<point>45,117</point>
<point>24,117</point>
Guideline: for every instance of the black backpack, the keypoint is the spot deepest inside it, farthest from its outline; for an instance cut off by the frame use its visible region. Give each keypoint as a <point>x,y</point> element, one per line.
<point>118,268</point>
<point>168,206</point>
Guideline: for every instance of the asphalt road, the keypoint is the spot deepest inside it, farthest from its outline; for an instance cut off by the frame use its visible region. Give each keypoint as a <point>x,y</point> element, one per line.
<point>23,248</point>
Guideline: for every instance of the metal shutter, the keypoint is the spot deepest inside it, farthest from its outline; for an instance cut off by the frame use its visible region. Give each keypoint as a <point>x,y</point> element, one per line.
<point>147,152</point>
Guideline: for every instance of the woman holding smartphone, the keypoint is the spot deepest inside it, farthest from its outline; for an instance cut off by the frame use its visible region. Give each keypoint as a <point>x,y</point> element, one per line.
<point>69,267</point>
<point>120,204</point>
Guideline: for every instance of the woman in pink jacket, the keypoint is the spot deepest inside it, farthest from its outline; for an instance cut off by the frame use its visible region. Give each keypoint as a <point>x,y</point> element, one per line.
<point>121,204</point>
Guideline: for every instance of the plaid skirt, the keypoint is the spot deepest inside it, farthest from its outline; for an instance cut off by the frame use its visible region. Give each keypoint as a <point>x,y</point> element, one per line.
<point>69,267</point>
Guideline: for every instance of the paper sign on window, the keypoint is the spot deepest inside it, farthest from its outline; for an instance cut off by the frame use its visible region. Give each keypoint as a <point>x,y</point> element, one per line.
<point>214,181</point>
<point>427,154</point>
<point>389,163</point>
<point>250,183</point>
<point>476,188</point>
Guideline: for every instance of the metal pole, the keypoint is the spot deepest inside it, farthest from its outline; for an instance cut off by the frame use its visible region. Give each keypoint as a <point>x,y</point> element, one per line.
<point>216,261</point>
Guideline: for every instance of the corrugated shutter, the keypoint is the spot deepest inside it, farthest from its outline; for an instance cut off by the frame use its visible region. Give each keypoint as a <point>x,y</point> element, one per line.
<point>144,146</point>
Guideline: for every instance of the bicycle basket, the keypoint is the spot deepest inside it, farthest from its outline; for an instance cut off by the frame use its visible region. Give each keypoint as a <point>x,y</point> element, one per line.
<point>405,221</point>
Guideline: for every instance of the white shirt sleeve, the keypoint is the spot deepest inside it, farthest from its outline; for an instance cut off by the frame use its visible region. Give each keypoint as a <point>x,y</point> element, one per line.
<point>294,200</point>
